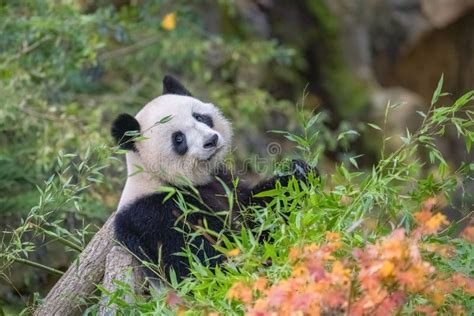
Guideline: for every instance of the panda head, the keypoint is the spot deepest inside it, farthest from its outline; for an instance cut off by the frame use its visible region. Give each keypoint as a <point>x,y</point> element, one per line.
<point>183,137</point>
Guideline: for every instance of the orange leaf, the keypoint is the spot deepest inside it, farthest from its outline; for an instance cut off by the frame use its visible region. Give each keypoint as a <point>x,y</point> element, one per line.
<point>294,253</point>
<point>468,234</point>
<point>434,223</point>
<point>241,292</point>
<point>233,252</point>
<point>387,269</point>
<point>260,284</point>
<point>429,204</point>
<point>331,236</point>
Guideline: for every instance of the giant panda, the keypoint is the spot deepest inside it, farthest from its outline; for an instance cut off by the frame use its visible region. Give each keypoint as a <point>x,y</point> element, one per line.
<point>191,143</point>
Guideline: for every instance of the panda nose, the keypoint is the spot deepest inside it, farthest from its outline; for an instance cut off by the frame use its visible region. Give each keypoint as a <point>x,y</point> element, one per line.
<point>211,142</point>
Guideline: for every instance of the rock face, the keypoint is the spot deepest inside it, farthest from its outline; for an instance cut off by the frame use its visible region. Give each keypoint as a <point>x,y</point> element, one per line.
<point>398,49</point>
<point>409,44</point>
<point>400,118</point>
<point>441,13</point>
<point>449,50</point>
<point>443,43</point>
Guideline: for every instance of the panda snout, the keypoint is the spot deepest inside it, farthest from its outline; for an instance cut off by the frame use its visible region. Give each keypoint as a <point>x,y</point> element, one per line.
<point>211,142</point>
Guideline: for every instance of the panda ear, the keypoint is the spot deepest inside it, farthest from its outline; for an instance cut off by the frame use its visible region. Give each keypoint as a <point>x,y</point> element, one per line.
<point>171,85</point>
<point>123,129</point>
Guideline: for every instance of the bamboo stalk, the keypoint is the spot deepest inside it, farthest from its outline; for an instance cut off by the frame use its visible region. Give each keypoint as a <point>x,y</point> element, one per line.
<point>38,265</point>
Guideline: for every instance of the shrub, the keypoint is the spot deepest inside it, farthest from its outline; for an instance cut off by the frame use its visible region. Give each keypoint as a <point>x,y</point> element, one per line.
<point>347,243</point>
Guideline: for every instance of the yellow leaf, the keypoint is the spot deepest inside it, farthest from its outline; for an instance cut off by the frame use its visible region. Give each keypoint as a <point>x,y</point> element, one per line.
<point>233,252</point>
<point>387,269</point>
<point>169,21</point>
<point>437,298</point>
<point>181,311</point>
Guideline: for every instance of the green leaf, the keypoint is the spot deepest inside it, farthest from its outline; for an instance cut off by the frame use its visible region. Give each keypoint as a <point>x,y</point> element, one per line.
<point>173,279</point>
<point>463,100</point>
<point>437,92</point>
<point>374,126</point>
<point>313,120</point>
<point>349,132</point>
<point>405,140</point>
<point>132,133</point>
<point>354,162</point>
<point>422,114</point>
<point>273,192</point>
<point>165,119</point>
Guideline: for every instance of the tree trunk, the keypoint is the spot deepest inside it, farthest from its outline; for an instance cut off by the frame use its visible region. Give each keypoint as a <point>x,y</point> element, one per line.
<point>120,265</point>
<point>77,284</point>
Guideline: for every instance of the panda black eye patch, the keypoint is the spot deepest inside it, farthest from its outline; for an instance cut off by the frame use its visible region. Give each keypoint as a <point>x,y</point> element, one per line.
<point>206,119</point>
<point>180,146</point>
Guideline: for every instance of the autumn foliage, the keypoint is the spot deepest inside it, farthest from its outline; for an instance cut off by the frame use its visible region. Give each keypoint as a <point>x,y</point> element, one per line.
<point>377,279</point>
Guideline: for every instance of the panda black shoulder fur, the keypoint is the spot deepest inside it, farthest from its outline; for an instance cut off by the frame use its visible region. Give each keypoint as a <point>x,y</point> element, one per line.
<point>193,145</point>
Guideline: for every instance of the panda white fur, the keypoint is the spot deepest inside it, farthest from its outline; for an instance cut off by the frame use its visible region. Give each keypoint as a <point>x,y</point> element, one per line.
<point>192,144</point>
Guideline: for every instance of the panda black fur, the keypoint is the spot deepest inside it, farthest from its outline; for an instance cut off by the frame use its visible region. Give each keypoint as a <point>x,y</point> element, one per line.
<point>192,144</point>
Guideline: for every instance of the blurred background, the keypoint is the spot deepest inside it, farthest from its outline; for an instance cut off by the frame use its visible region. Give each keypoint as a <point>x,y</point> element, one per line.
<point>67,68</point>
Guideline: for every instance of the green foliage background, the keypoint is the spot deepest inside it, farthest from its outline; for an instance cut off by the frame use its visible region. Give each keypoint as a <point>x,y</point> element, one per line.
<point>68,68</point>
<point>66,74</point>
